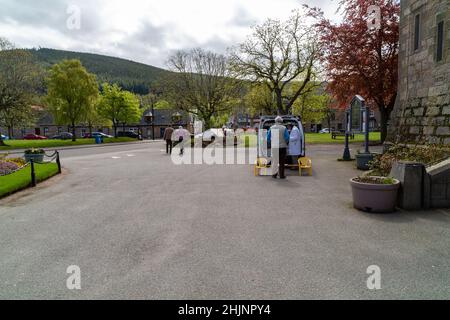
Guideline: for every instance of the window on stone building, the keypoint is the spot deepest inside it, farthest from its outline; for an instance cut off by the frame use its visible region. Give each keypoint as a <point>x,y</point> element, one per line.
<point>417,32</point>
<point>440,41</point>
<point>45,131</point>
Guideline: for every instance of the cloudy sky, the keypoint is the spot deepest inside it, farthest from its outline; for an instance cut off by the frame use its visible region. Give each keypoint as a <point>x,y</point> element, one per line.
<point>141,30</point>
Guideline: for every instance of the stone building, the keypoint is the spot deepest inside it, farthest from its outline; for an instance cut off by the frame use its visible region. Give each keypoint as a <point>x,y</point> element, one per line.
<point>422,111</point>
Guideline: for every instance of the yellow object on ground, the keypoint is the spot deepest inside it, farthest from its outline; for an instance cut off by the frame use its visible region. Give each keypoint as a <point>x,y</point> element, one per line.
<point>260,164</point>
<point>305,164</point>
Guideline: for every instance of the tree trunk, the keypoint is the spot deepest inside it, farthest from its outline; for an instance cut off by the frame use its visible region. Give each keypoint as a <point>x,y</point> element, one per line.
<point>2,143</point>
<point>74,138</point>
<point>115,130</point>
<point>385,114</point>
<point>279,95</point>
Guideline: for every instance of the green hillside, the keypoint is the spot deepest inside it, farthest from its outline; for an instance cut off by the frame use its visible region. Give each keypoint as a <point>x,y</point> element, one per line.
<point>132,76</point>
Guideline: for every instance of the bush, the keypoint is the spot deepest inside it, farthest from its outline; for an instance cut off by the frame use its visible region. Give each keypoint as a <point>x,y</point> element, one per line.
<point>382,165</point>
<point>7,168</point>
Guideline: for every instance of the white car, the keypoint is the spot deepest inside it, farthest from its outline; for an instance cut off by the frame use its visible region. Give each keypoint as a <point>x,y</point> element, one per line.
<point>213,134</point>
<point>326,130</point>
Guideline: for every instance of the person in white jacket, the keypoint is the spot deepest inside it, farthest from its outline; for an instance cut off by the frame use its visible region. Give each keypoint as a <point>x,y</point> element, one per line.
<point>295,143</point>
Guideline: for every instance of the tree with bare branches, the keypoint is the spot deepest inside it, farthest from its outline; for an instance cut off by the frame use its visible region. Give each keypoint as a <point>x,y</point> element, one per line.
<point>277,54</point>
<point>201,84</point>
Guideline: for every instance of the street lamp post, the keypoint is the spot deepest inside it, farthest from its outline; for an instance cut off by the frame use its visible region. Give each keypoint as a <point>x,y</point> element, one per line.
<point>347,156</point>
<point>150,119</point>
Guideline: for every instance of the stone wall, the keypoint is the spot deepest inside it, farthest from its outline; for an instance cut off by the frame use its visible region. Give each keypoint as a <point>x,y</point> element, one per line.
<point>422,111</point>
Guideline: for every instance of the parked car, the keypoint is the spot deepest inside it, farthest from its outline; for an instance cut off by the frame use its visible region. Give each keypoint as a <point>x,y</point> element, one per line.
<point>33,136</point>
<point>63,136</point>
<point>4,137</point>
<point>129,134</point>
<point>325,130</point>
<point>96,134</point>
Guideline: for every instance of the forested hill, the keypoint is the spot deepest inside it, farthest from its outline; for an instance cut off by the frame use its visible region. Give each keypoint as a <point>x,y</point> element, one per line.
<point>132,76</point>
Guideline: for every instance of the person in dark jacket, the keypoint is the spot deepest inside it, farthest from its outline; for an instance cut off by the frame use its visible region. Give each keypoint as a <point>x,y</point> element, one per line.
<point>168,138</point>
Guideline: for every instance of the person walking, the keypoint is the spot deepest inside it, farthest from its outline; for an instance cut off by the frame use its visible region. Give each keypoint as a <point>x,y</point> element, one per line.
<point>181,135</point>
<point>295,143</point>
<point>278,137</point>
<point>168,138</point>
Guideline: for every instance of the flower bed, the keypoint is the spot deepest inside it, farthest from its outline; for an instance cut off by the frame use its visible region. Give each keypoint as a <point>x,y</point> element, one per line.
<point>427,155</point>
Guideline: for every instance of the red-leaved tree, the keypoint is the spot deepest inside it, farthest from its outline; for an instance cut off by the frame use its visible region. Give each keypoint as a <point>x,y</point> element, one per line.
<point>360,54</point>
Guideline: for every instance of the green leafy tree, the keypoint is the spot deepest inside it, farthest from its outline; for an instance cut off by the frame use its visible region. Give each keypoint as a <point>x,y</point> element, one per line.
<point>18,117</point>
<point>120,107</point>
<point>18,77</point>
<point>71,93</point>
<point>259,99</point>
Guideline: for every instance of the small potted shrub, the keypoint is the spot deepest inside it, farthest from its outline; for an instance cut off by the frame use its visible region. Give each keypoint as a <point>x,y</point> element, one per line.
<point>37,155</point>
<point>375,194</point>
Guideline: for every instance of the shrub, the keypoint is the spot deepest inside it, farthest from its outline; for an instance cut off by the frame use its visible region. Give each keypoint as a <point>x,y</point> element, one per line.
<point>375,180</point>
<point>7,168</point>
<point>427,155</point>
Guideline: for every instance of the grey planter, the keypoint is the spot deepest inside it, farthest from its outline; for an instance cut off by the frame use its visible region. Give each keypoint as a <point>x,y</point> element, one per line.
<point>363,159</point>
<point>376,198</point>
<point>35,157</point>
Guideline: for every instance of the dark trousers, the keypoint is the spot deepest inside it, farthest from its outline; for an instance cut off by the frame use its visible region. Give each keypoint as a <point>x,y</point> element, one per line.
<point>282,153</point>
<point>169,146</point>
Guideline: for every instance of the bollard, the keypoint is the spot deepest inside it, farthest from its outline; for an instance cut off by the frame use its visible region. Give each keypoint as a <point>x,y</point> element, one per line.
<point>411,176</point>
<point>33,174</point>
<point>58,162</point>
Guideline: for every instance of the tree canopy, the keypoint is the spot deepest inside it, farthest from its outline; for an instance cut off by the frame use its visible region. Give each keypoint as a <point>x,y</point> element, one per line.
<point>71,93</point>
<point>362,60</point>
<point>277,54</point>
<point>120,107</point>
<point>202,85</point>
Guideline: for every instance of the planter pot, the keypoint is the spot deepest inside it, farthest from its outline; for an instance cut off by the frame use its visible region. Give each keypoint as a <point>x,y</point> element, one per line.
<point>363,159</point>
<point>34,157</point>
<point>377,198</point>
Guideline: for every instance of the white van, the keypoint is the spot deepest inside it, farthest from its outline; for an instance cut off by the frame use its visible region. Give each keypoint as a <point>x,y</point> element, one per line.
<point>264,149</point>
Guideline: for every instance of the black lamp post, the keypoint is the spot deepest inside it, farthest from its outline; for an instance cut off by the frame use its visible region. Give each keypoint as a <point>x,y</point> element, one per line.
<point>347,156</point>
<point>150,119</point>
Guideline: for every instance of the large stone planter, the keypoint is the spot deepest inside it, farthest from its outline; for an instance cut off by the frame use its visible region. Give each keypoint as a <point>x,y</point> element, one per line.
<point>35,157</point>
<point>363,160</point>
<point>376,198</point>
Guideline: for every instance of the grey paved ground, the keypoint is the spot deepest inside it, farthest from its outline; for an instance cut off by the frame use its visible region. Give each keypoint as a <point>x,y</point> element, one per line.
<point>140,227</point>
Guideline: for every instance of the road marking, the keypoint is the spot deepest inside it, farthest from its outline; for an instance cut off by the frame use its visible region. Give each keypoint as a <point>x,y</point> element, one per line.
<point>131,155</point>
<point>115,157</point>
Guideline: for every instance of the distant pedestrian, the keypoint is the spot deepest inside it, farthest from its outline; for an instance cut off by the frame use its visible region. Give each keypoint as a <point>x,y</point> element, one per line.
<point>168,138</point>
<point>278,137</point>
<point>181,135</point>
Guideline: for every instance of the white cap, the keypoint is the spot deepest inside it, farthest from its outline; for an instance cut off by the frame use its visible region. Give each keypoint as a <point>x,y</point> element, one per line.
<point>278,119</point>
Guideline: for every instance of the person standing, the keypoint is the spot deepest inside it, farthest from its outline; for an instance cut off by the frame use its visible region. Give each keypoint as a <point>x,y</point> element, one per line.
<point>295,143</point>
<point>278,136</point>
<point>168,138</point>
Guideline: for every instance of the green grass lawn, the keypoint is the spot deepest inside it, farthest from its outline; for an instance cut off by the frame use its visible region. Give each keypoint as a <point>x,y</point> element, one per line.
<point>317,138</point>
<point>27,144</point>
<point>22,179</point>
